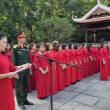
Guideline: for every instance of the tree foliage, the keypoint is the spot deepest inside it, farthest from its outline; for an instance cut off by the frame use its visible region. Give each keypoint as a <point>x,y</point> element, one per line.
<point>44,20</point>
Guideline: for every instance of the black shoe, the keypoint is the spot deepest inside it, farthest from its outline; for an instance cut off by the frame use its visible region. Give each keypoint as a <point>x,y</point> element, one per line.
<point>22,107</point>
<point>28,103</point>
<point>43,98</point>
<point>73,83</point>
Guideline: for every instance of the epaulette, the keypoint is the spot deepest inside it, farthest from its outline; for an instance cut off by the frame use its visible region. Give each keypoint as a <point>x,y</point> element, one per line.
<point>15,46</point>
<point>27,46</point>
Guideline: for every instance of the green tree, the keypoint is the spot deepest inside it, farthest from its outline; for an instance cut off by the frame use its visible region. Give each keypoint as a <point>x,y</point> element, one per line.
<point>54,28</point>
<point>29,16</point>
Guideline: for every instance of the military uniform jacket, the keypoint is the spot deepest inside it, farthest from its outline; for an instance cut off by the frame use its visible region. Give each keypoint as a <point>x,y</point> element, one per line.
<point>20,57</point>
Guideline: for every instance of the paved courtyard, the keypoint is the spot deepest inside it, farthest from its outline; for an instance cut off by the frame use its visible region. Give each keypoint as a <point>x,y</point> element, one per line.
<point>88,94</point>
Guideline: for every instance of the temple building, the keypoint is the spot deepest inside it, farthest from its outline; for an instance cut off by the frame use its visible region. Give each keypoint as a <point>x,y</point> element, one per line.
<point>96,21</point>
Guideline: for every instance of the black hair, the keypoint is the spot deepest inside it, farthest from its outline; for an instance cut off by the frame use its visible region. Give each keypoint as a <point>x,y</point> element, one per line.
<point>64,46</point>
<point>75,46</point>
<point>83,44</point>
<point>88,47</point>
<point>39,44</point>
<point>101,45</point>
<point>2,35</point>
<point>70,45</point>
<point>47,45</point>
<point>31,45</point>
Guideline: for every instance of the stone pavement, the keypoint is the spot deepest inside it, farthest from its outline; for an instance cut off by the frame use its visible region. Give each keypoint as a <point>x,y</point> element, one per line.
<point>88,94</point>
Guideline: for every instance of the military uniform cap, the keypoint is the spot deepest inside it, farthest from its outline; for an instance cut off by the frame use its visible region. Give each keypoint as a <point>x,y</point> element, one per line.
<point>20,35</point>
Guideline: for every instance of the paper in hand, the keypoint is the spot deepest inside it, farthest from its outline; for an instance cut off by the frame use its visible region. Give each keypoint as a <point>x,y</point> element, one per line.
<point>20,70</point>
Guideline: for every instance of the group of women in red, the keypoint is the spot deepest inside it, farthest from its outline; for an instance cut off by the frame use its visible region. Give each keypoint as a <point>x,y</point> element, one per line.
<point>93,58</point>
<point>88,56</point>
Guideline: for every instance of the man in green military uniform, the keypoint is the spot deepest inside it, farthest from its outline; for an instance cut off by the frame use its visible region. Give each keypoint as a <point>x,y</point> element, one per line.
<point>21,57</point>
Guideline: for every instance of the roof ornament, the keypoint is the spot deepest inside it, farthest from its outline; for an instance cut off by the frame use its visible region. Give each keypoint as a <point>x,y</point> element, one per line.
<point>98,2</point>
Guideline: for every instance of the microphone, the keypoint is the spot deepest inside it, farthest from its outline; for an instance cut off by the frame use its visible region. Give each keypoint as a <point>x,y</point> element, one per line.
<point>25,50</point>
